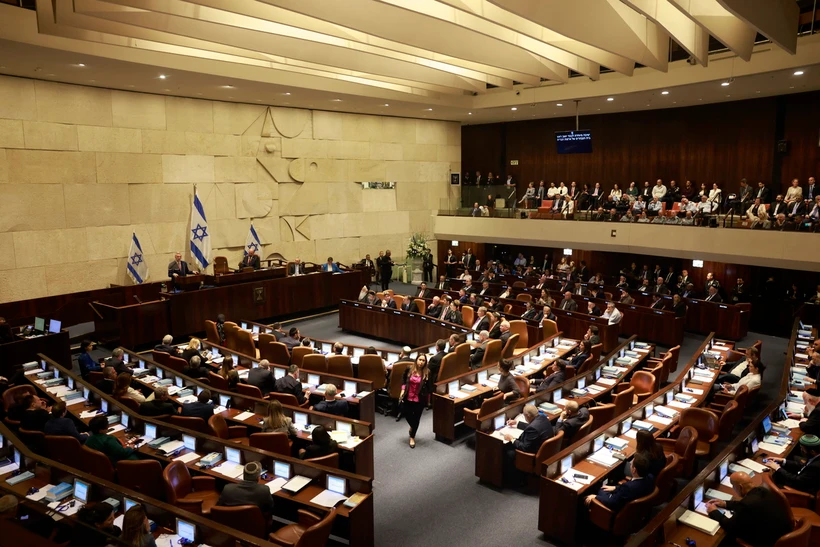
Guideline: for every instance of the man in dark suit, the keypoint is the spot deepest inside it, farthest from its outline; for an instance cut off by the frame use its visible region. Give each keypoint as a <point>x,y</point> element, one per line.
<point>505,332</point>
<point>592,309</point>
<point>296,268</point>
<point>167,346</point>
<point>482,321</point>
<point>796,210</point>
<point>547,314</point>
<point>106,385</point>
<point>434,309</point>
<point>60,425</point>
<point>409,305</point>
<point>568,286</point>
<point>249,491</point>
<point>689,291</point>
<point>278,332</point>
<point>568,304</point>
<point>469,259</point>
<point>625,298</point>
<point>250,260</point>
<point>811,190</point>
<point>427,267</point>
<point>160,405</point>
<point>178,267</point>
<point>367,262</point>
<point>531,312</point>
<point>660,287</point>
<point>388,301</point>
<point>638,486</point>
<point>442,284</point>
<point>536,430</point>
<point>758,517</point>
<point>803,477</point>
<point>453,315</point>
<point>292,339</point>
<point>289,383</point>
<point>201,408</point>
<point>657,303</point>
<point>485,291</point>
<point>678,306</point>
<point>572,418</point>
<point>435,361</point>
<point>495,332</point>
<point>117,363</point>
<point>777,207</point>
<point>332,405</point>
<point>262,377</point>
<point>424,292</point>
<point>762,192</point>
<point>713,295</point>
<point>557,376</point>
<point>478,348</point>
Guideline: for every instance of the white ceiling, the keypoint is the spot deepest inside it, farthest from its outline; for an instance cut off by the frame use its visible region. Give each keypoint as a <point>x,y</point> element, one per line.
<point>418,58</point>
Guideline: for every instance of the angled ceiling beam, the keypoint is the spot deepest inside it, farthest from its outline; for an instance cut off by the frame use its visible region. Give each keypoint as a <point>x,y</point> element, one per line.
<point>605,24</point>
<point>691,37</point>
<point>723,25</point>
<point>777,20</point>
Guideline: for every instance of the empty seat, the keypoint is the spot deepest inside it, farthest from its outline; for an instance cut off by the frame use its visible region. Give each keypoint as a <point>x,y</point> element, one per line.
<point>275,352</point>
<point>278,443</point>
<point>684,446</point>
<point>298,353</point>
<point>219,428</point>
<point>311,530</point>
<point>643,384</point>
<point>707,425</point>
<point>193,423</point>
<point>340,365</point>
<point>96,463</point>
<point>194,494</point>
<point>248,518</point>
<point>144,476</point>
<point>371,367</point>
<point>64,449</point>
<point>211,333</point>
<point>519,327</point>
<point>472,417</point>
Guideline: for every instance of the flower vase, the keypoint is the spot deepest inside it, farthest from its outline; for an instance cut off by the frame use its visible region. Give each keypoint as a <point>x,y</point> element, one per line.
<point>415,264</point>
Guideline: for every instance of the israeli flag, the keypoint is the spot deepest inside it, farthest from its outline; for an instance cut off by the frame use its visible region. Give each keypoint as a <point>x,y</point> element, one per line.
<point>200,238</point>
<point>252,242</point>
<point>137,267</point>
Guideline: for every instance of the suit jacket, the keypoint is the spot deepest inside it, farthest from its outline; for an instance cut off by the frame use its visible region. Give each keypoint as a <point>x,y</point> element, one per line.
<point>660,289</point>
<point>495,332</point>
<point>680,310</point>
<point>434,311</point>
<point>805,478</point>
<point>423,293</point>
<point>534,434</point>
<point>483,324</point>
<point>294,269</point>
<point>716,298</point>
<point>801,209</point>
<point>87,364</point>
<point>568,304</point>
<point>289,384</point>
<point>263,379</point>
<point>167,349</point>
<point>551,317</point>
<point>776,208</point>
<point>250,262</point>
<point>477,355</point>
<point>468,261</point>
<point>812,424</point>
<point>454,317</point>
<point>628,300</point>
<point>120,366</point>
<point>338,407</point>
<point>626,492</point>
<point>290,342</point>
<point>330,268</point>
<point>198,410</point>
<point>155,407</point>
<point>412,307</point>
<point>179,269</point>
<point>570,426</point>
<point>435,365</point>
<point>391,304</point>
<point>247,493</point>
<point>596,311</point>
<point>763,194</point>
<point>63,426</point>
<point>504,337</point>
<point>553,379</point>
<point>445,286</point>
<point>759,518</point>
<point>530,314</point>
<point>658,305</point>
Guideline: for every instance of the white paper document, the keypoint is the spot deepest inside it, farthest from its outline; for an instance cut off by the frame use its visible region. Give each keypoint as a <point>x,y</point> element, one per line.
<point>187,399</point>
<point>244,416</point>
<point>790,423</point>
<point>658,420</point>
<point>88,414</point>
<point>632,434</point>
<point>328,499</point>
<point>276,484</point>
<point>603,457</point>
<point>8,468</point>
<point>607,381</point>
<point>187,458</point>
<point>41,493</point>
<point>678,404</point>
<point>230,469</point>
<point>772,448</point>
<point>753,465</point>
<point>513,432</point>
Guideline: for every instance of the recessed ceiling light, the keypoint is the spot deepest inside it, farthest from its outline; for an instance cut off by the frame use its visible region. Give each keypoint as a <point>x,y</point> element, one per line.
<point>166,89</point>
<point>227,87</point>
<point>469,113</point>
<point>92,81</point>
<point>258,100</point>
<point>514,108</point>
<point>200,94</point>
<point>428,109</point>
<point>286,93</point>
<point>559,104</point>
<point>664,93</point>
<point>725,84</point>
<point>798,72</point>
<point>791,87</point>
<point>610,98</point>
<point>131,85</point>
<point>385,104</point>
<point>162,76</point>
<point>81,64</point>
<point>336,100</point>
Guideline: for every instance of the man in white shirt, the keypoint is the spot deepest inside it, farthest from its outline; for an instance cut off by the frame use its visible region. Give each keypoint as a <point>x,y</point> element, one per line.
<point>757,214</point>
<point>737,372</point>
<point>751,380</point>
<point>612,314</point>
<point>686,205</point>
<point>659,190</point>
<point>638,206</point>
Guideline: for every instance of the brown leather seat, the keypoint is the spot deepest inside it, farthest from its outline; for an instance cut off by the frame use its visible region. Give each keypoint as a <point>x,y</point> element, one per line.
<point>582,432</point>
<point>144,476</point>
<point>12,392</point>
<point>463,358</point>
<point>624,400</point>
<point>218,382</point>
<point>665,482</point>
<point>396,378</point>
<point>449,367</point>
<point>249,391</point>
<point>275,352</point>
<point>245,344</point>
<point>684,446</point>
<point>193,423</point>
<point>523,385</point>
<point>519,285</point>
<point>596,350</point>
<point>314,362</point>
<point>278,443</point>
<point>129,403</point>
<point>549,328</point>
<point>528,462</point>
<point>492,353</point>
<point>340,365</point>
<point>371,367</point>
<point>467,316</point>
<point>64,449</point>
<point>509,348</point>
<point>194,494</point>
<point>34,440</point>
<point>248,518</point>
<point>298,353</point>
<point>311,531</point>
<point>288,399</point>
<point>160,357</point>
<point>236,433</point>
<point>626,521</point>
<point>177,364</point>
<point>801,536</point>
<point>644,384</point>
<point>507,308</point>
<point>674,356</point>
<point>586,366</point>
<point>707,425</point>
<point>801,506</point>
<point>523,296</point>
<point>230,329</point>
<point>519,327</point>
<point>728,420</point>
<point>221,265</point>
<point>472,417</point>
<point>657,372</point>
<point>741,397</point>
<point>264,338</point>
<point>602,414</point>
<point>331,460</point>
<point>96,463</point>
<point>211,333</point>
<point>422,304</point>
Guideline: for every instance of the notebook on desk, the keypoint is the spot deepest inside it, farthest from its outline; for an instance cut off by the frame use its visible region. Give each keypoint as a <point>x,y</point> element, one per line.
<point>699,522</point>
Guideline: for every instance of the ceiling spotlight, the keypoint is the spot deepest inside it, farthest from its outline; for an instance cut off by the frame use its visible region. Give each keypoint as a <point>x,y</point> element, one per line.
<point>469,113</point>
<point>385,104</point>
<point>664,93</point>
<point>162,76</point>
<point>428,109</point>
<point>227,87</point>
<point>610,98</point>
<point>335,100</point>
<point>286,93</point>
<point>725,84</point>
<point>560,104</point>
<point>798,72</point>
<point>81,64</point>
<point>514,108</point>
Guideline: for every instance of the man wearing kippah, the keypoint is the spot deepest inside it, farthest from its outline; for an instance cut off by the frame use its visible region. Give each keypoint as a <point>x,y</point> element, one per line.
<point>249,491</point>
<point>800,476</point>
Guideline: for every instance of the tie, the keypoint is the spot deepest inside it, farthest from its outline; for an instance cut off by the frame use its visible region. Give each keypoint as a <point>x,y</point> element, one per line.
<point>794,211</point>
<point>708,298</point>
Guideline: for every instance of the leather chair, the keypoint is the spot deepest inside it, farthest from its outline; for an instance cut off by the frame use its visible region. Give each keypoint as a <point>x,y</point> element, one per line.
<point>248,518</point>
<point>463,358</point>
<point>507,308</point>
<point>422,305</point>
<point>230,329</point>
<point>529,463</point>
<point>217,381</point>
<point>523,385</point>
<point>221,265</point>
<point>177,364</point>
<point>801,506</point>
<point>331,460</point>
<point>674,356</point>
<point>288,399</point>
<point>194,494</point>
<point>509,348</point>
<point>96,463</point>
<point>278,443</point>
<point>596,350</point>
<point>245,344</point>
<point>549,328</point>
<point>130,403</point>
<point>314,362</point>
<point>684,447</point>
<point>624,400</point>
<point>519,327</point>
<point>728,420</point>
<point>396,378</point>
<point>340,365</point>
<point>264,338</point>
<point>472,417</point>
<point>448,369</point>
<point>569,372</point>
<point>626,521</point>
<point>707,424</point>
<point>665,482</point>
<point>519,285</point>
<point>587,365</point>
<point>12,392</point>
<point>311,530</point>
<point>644,384</point>
<point>249,391</point>
<point>371,367</point>
<point>523,296</point>
<point>160,357</point>
<point>275,352</point>
<point>467,316</point>
<point>143,476</point>
<point>602,414</point>
<point>96,377</point>
<point>582,432</point>
<point>194,423</point>
<point>34,440</point>
<point>720,400</point>
<point>235,433</point>
<point>492,353</point>
<point>801,536</point>
<point>211,333</point>
<point>64,449</point>
<point>298,353</point>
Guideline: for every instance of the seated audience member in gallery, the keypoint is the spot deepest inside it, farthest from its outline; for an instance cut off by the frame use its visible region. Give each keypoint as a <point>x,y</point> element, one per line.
<point>794,192</point>
<point>638,486</point>
<point>714,295</point>
<point>568,304</point>
<point>167,346</point>
<point>626,298</point>
<point>593,309</point>
<point>331,403</point>
<point>643,218</point>
<point>678,306</point>
<point>201,408</point>
<point>654,208</point>
<point>757,215</point>
<point>612,314</point>
<point>250,260</point>
<point>331,266</point>
<point>628,217</point>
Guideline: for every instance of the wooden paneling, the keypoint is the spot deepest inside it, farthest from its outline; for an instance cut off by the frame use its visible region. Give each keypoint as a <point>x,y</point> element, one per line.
<point>802,132</point>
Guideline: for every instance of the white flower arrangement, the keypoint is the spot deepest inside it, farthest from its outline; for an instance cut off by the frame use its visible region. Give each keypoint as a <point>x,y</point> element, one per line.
<point>418,246</point>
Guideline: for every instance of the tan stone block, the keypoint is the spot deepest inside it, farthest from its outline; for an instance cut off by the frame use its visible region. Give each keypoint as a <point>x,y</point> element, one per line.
<point>45,166</point>
<point>7,261</point>
<point>218,200</point>
<point>234,169</point>
<point>434,172</point>
<point>399,130</point>
<point>212,144</point>
<point>29,207</point>
<point>431,132</point>
<point>106,242</point>
<point>235,118</point>
<point>392,222</point>
<point>268,129</point>
<point>11,133</point>
<point>160,202</point>
<point>359,127</point>
<point>327,125</point>
<point>97,205</point>
<point>137,110</point>
<point>296,169</point>
<point>22,284</point>
<point>50,136</point>
<point>109,139</point>
<point>378,200</point>
<point>63,278</point>
<point>45,247</point>
<point>4,166</point>
<point>453,131</point>
<point>411,197</point>
<point>349,150</point>
<point>189,115</point>
<point>303,148</point>
<point>76,104</point>
<point>163,142</point>
<point>352,224</point>
<point>17,98</point>
<point>421,222</point>
<point>268,228</point>
<point>117,167</point>
<point>273,187</point>
<point>275,168</point>
<point>438,193</point>
<point>372,244</point>
<point>345,197</point>
<point>228,232</point>
<point>252,200</point>
<point>304,250</point>
<point>249,145</point>
<point>291,122</point>
<point>165,238</point>
<point>187,168</point>
<point>324,227</point>
<point>386,151</point>
<point>309,198</point>
<point>344,249</point>
<point>420,152</point>
<point>401,171</point>
<point>449,153</point>
<point>366,170</point>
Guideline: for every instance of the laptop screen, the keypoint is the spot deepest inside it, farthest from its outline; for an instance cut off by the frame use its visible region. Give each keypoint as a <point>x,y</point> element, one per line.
<point>179,382</point>
<point>255,329</point>
<point>128,504</point>
<point>189,441</point>
<point>649,410</point>
<point>598,443</point>
<point>235,359</point>
<point>626,425</point>
<point>224,400</point>
<point>452,387</point>
<point>350,388</point>
<point>358,352</point>
<point>581,383</point>
<point>39,324</point>
<point>498,422</point>
<point>150,431</point>
<point>278,373</point>
<point>70,383</point>
<point>767,424</point>
<point>724,469</point>
<point>54,326</point>
<point>556,395</point>
<point>186,530</point>
<point>313,379</point>
<point>281,469</point>
<point>81,490</point>
<point>482,377</point>
<point>125,357</point>
<point>566,464</point>
<point>300,419</point>
<point>104,406</point>
<point>86,393</point>
<point>124,419</point>
<point>244,326</point>
<point>233,455</point>
<point>160,373</point>
<point>345,427</point>
<point>336,484</point>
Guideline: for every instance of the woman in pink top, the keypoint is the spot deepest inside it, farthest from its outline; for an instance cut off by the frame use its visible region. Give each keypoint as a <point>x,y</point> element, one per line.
<point>415,390</point>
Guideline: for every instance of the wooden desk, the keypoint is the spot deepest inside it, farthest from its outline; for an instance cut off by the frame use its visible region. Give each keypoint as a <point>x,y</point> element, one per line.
<point>24,350</point>
<point>134,324</point>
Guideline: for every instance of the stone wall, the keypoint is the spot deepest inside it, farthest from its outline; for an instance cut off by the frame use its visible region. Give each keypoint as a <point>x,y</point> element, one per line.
<point>83,167</point>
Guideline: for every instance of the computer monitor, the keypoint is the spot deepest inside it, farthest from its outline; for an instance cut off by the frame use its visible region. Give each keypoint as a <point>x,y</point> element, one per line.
<point>566,464</point>
<point>56,373</point>
<point>482,377</point>
<point>54,326</point>
<point>104,406</point>
<point>244,325</point>
<point>128,503</point>
<point>632,344</point>
<point>150,431</point>
<point>254,364</point>
<point>753,445</point>
<point>556,395</point>
<point>255,329</point>
<point>598,373</point>
<point>598,443</point>
<point>626,425</point>
<point>39,324</point>
<point>337,484</point>
<point>126,358</point>
<point>281,469</point>
<point>452,387</point>
<point>86,393</point>
<point>160,373</point>
<point>582,382</point>
<point>142,363</point>
<point>186,530</point>
<point>224,400</point>
<point>278,373</point>
<point>235,359</point>
<point>649,410</point>
<point>233,455</point>
<point>313,379</point>
<point>670,396</point>
<point>344,427</point>
<point>327,348</point>
<point>358,352</point>
<point>81,490</point>
<point>179,382</point>
<point>350,388</point>
<point>767,425</point>
<point>723,470</point>
<point>189,441</point>
<point>697,497</point>
<point>125,419</point>
<point>18,458</point>
<point>498,422</point>
<point>300,419</point>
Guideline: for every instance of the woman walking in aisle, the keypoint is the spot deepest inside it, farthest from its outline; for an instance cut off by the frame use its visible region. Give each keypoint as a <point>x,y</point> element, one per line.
<point>415,391</point>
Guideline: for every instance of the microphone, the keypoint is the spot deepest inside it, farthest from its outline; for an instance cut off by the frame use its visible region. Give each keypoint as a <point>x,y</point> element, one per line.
<point>137,298</point>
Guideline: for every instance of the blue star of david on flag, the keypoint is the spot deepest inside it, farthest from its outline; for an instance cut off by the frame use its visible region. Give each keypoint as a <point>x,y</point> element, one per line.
<point>200,240</point>
<point>200,232</point>
<point>253,241</point>
<point>136,259</point>
<point>136,266</point>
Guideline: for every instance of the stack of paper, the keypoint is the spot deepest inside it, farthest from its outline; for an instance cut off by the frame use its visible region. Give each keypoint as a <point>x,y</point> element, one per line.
<point>572,482</point>
<point>513,432</point>
<point>790,423</point>
<point>187,458</point>
<point>607,381</point>
<point>41,493</point>
<point>678,404</point>
<point>460,394</point>
<point>230,469</point>
<point>88,414</point>
<point>276,484</point>
<point>753,465</point>
<point>187,399</point>
<point>603,457</point>
<point>339,436</point>
<point>658,420</point>
<point>700,522</point>
<point>326,498</point>
<point>352,442</point>
<point>244,416</point>
<point>595,389</point>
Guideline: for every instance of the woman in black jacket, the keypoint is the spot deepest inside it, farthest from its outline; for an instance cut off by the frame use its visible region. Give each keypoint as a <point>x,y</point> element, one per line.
<point>97,526</point>
<point>415,391</point>
<point>322,445</point>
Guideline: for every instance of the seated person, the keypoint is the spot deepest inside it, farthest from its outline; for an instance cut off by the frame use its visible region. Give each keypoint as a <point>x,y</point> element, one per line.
<point>331,266</point>
<point>638,486</point>
<point>167,346</point>
<point>646,444</point>
<point>158,404</point>
<point>293,338</point>
<point>751,380</point>
<point>249,491</point>
<point>322,445</point>
<point>201,408</point>
<point>800,476</point>
<point>593,309</point>
<point>434,309</point>
<point>758,517</point>
<point>60,425</point>
<point>194,369</point>
<point>107,444</point>
<point>99,526</point>
<point>276,421</point>
<point>193,349</point>
<point>250,260</point>
<point>86,362</point>
<point>737,369</point>
<point>479,347</point>
<point>654,207</point>
<point>332,405</point>
<point>36,414</point>
<point>536,429</point>
<point>642,218</point>
<point>289,383</point>
<point>262,377</point>
<point>810,420</point>
<point>117,362</point>
<point>507,383</point>
<point>122,388</point>
<point>557,376</point>
<point>571,419</point>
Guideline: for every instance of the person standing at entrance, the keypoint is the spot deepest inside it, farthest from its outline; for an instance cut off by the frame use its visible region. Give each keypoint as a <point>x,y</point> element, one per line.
<point>386,270</point>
